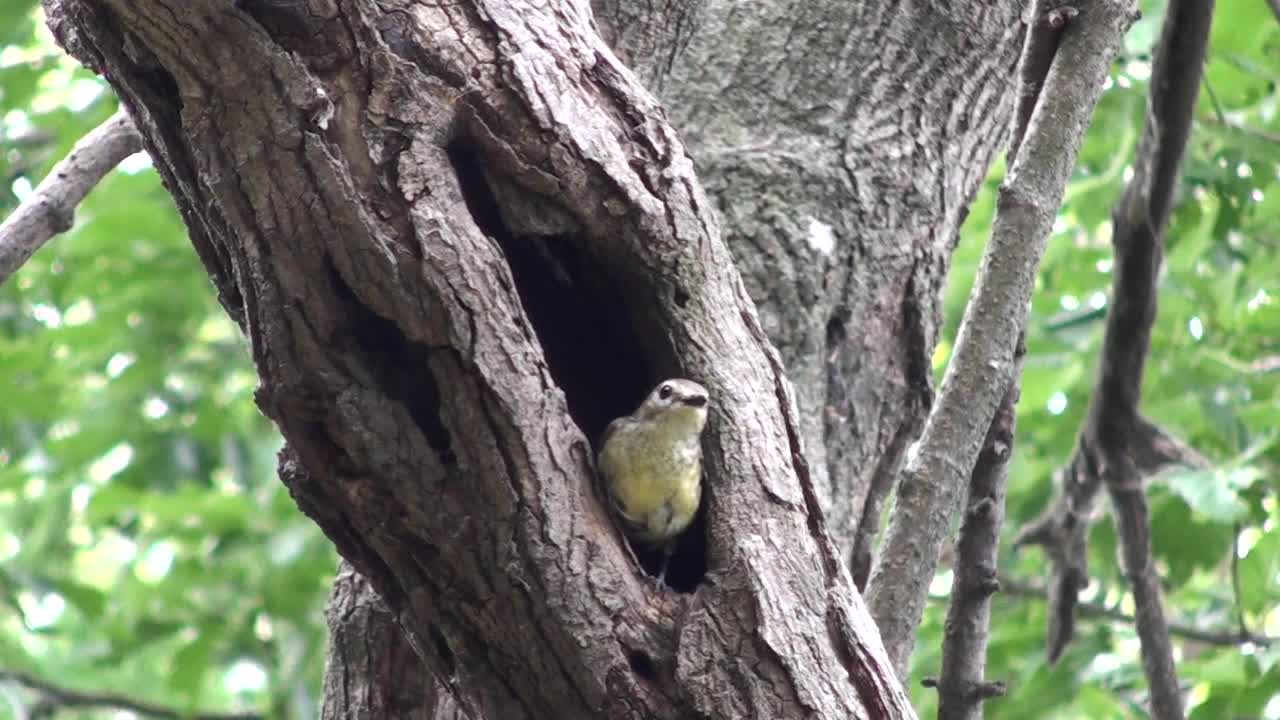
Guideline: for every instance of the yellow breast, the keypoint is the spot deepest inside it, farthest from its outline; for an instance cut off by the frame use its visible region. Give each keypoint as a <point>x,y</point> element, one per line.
<point>655,482</point>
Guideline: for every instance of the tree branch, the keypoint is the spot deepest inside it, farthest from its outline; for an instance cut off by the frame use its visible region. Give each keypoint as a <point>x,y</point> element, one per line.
<point>1155,448</point>
<point>1116,445</point>
<point>1021,588</point>
<point>68,698</point>
<point>962,685</point>
<point>982,365</point>
<point>51,208</point>
<point>1044,33</point>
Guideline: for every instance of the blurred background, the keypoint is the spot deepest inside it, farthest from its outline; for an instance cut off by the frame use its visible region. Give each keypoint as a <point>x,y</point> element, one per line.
<point>146,546</point>
<point>148,550</point>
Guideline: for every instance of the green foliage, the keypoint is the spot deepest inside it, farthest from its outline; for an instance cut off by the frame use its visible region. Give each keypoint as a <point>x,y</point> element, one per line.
<point>147,547</point>
<point>1213,378</point>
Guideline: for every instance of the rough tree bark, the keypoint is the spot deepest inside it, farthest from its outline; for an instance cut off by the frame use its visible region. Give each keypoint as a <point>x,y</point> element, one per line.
<point>367,643</point>
<point>391,199</point>
<point>788,109</point>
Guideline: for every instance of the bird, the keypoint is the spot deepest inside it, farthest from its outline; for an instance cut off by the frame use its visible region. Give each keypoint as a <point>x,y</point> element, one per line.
<point>650,464</point>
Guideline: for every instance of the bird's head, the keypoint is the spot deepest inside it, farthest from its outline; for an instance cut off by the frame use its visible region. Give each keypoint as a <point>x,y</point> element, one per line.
<point>677,401</point>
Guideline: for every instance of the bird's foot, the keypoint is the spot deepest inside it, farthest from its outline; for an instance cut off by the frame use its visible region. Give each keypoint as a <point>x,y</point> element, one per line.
<point>660,583</point>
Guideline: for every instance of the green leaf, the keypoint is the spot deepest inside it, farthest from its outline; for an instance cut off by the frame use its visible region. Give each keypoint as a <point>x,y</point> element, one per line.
<point>88,600</point>
<point>1260,574</point>
<point>1099,704</point>
<point>1183,541</point>
<point>1212,493</point>
<point>1220,668</point>
<point>1216,707</point>
<point>190,664</point>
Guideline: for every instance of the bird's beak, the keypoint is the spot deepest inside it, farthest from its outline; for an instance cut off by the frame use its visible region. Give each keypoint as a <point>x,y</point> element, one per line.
<point>694,400</point>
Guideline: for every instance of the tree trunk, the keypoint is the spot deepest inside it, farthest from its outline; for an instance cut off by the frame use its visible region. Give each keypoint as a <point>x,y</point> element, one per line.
<point>461,239</point>
<point>372,672</point>
<point>842,143</point>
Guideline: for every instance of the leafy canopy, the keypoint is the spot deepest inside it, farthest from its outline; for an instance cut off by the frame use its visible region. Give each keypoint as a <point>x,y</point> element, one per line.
<point>146,546</point>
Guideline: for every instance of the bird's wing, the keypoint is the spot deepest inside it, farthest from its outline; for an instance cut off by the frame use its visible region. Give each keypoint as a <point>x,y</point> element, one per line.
<point>626,525</point>
<point>602,485</point>
<point>610,429</point>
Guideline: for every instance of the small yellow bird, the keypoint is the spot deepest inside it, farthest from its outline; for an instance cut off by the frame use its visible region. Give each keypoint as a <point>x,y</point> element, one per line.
<point>651,464</point>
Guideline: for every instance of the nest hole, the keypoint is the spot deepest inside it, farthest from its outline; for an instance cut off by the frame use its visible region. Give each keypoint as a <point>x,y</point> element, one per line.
<point>588,326</point>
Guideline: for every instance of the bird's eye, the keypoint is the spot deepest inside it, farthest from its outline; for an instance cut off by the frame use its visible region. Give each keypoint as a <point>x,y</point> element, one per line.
<point>664,392</point>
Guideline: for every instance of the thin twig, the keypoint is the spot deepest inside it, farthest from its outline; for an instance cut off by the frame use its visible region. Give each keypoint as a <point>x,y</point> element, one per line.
<point>962,685</point>
<point>1154,448</point>
<point>1138,221</point>
<point>1214,102</point>
<point>67,698</point>
<point>1044,33</point>
<point>1112,445</point>
<point>1237,596</point>
<point>50,209</point>
<point>1188,631</point>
